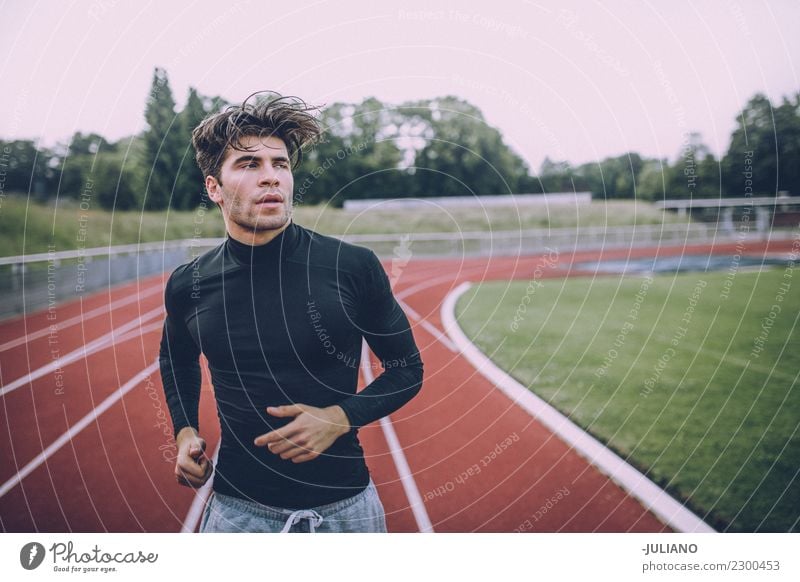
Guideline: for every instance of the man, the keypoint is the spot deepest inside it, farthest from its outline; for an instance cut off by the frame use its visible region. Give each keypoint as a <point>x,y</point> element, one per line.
<point>279,312</point>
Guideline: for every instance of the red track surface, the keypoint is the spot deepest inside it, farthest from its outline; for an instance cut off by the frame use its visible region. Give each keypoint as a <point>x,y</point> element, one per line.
<point>116,474</point>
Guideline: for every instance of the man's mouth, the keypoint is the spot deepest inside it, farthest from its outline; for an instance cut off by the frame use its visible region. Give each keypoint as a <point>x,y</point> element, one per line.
<point>270,199</point>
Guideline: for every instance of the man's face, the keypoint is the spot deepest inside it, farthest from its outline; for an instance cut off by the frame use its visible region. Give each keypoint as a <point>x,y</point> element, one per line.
<point>255,189</point>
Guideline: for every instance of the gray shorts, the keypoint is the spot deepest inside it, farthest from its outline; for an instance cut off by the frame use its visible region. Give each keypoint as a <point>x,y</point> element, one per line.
<point>361,513</point>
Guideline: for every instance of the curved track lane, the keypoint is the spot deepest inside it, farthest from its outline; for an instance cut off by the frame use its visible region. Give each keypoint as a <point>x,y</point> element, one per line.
<point>479,461</point>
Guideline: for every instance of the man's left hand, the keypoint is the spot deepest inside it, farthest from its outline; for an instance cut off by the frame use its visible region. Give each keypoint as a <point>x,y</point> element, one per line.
<point>312,431</point>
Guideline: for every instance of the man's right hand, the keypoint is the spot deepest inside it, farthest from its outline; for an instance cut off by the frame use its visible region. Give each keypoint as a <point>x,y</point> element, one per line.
<point>193,468</point>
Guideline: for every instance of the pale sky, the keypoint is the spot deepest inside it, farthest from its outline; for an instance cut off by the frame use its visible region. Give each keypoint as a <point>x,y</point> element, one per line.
<point>575,81</point>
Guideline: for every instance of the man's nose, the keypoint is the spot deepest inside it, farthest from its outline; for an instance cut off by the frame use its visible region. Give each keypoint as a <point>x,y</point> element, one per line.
<point>269,176</point>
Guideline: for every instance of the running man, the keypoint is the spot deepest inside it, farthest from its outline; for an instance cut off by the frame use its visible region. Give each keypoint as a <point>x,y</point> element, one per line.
<point>279,312</point>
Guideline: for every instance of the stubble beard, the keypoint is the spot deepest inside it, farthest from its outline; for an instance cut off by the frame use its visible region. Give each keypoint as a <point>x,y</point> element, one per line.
<point>255,222</point>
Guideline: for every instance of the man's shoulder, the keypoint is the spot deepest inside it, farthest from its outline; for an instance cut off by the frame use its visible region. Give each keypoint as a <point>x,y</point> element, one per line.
<point>187,274</point>
<point>330,251</point>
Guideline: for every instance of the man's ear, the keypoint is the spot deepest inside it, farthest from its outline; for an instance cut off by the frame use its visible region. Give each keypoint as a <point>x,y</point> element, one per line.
<point>214,189</point>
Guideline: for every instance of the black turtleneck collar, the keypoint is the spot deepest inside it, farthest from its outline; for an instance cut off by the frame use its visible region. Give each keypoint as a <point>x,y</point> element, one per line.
<point>281,245</point>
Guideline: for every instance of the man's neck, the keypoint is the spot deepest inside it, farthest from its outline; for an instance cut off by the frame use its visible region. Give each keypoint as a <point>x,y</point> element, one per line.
<point>257,238</point>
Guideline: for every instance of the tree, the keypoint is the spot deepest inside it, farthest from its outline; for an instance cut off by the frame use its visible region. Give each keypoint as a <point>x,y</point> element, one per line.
<point>431,147</point>
<point>787,124</point>
<point>464,155</point>
<point>114,181</point>
<point>753,150</point>
<point>372,160</point>
<point>695,173</point>
<point>357,156</point>
<point>162,141</point>
<point>189,189</point>
<point>318,178</point>
<point>653,180</point>
<point>555,176</point>
<point>74,161</point>
<point>612,178</point>
<point>26,168</point>
<point>88,144</point>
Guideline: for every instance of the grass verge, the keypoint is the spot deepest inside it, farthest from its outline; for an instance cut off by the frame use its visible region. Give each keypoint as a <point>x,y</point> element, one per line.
<point>691,377</point>
<point>27,227</point>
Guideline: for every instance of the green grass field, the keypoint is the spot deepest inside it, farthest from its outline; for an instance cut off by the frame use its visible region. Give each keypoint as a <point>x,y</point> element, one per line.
<point>691,377</point>
<point>331,220</point>
<point>28,227</point>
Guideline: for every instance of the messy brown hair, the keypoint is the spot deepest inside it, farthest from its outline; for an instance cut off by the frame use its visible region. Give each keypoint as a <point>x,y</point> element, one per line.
<point>262,114</point>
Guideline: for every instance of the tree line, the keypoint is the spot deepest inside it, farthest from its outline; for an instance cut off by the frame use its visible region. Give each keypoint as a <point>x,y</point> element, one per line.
<point>430,147</point>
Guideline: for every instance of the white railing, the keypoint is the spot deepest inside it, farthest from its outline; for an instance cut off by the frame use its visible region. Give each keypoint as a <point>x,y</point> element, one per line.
<point>110,251</point>
<point>523,242</point>
<point>32,281</point>
<point>449,243</point>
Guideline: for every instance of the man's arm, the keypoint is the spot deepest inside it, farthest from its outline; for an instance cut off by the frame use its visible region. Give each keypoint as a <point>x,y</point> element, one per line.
<point>180,376</point>
<point>388,333</point>
<point>386,329</point>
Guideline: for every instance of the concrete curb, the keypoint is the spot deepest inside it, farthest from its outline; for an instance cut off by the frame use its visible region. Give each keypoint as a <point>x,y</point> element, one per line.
<point>652,497</point>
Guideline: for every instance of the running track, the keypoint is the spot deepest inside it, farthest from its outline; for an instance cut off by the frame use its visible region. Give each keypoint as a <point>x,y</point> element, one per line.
<point>87,441</point>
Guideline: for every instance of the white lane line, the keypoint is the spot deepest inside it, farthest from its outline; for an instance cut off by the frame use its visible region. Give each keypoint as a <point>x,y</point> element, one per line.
<point>428,282</point>
<point>61,325</point>
<point>158,325</point>
<point>200,499</point>
<point>428,325</point>
<point>75,429</point>
<point>406,476</point>
<point>82,352</point>
<point>673,513</point>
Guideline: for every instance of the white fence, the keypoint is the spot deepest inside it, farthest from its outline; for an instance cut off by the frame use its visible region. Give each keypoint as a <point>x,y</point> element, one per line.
<point>500,200</point>
<point>30,282</point>
<point>526,242</point>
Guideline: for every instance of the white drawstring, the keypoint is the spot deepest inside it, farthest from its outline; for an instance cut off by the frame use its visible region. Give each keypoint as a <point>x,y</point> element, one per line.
<point>314,519</point>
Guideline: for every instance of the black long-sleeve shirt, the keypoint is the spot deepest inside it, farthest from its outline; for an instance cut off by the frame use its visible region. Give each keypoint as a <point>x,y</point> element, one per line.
<point>280,324</point>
